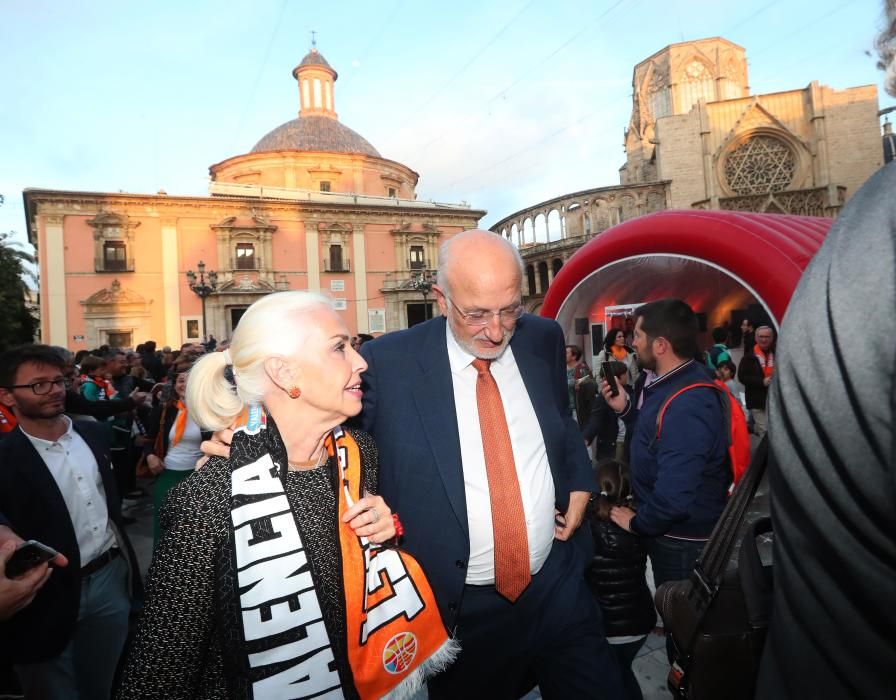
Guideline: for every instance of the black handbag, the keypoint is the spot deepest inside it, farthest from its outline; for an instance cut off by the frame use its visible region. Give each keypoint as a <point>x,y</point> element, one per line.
<point>718,617</point>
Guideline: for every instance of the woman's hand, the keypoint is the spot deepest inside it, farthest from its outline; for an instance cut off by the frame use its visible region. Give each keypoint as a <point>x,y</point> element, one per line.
<point>218,446</point>
<point>370,517</point>
<point>156,465</point>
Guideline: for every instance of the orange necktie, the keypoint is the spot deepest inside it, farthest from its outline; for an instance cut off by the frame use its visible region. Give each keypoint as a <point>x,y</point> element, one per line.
<point>508,519</point>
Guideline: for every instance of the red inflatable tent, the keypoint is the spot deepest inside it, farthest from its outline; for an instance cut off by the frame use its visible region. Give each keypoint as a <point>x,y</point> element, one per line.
<point>765,253</point>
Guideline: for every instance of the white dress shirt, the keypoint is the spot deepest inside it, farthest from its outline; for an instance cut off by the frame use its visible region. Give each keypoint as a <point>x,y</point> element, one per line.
<point>75,471</point>
<point>529,456</point>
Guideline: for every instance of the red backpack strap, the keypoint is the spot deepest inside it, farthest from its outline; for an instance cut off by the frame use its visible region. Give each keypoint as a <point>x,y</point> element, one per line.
<point>726,407</point>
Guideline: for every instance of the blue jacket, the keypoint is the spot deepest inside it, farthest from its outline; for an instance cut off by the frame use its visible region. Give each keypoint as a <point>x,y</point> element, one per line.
<point>680,481</point>
<point>409,409</point>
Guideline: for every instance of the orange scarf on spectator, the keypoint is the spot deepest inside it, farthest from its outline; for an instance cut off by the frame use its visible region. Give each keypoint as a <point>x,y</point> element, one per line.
<point>767,362</point>
<point>8,421</point>
<point>619,353</point>
<point>180,422</point>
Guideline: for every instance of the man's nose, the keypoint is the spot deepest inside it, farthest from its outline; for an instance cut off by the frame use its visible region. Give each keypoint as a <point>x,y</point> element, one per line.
<point>493,329</point>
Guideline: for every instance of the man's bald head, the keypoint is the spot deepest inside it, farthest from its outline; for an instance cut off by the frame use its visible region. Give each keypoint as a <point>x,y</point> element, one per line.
<point>478,254</point>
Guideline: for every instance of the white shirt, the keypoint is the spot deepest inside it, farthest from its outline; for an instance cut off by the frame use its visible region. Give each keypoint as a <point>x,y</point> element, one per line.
<point>75,471</point>
<point>529,456</point>
<point>182,457</point>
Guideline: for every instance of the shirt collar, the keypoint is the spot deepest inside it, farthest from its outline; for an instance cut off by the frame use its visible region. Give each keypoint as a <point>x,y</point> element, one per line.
<point>671,373</point>
<point>460,358</point>
<point>40,442</point>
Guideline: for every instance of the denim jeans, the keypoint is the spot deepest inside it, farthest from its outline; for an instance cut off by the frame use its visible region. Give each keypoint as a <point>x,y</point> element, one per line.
<point>84,670</point>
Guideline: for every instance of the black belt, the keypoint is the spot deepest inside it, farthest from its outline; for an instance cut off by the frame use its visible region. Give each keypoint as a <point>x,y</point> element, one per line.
<point>100,562</point>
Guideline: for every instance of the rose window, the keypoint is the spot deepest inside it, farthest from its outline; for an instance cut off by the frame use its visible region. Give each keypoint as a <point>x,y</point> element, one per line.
<point>759,165</point>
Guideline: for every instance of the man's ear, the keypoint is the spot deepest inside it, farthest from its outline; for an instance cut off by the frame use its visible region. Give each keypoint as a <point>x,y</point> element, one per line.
<point>441,299</point>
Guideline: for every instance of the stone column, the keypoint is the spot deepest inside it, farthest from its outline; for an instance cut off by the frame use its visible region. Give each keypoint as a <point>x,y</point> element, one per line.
<point>312,253</point>
<point>359,263</point>
<point>54,273</point>
<point>170,283</point>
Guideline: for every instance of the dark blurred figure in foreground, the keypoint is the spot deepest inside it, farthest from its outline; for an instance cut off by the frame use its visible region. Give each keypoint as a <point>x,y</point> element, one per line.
<point>831,430</point>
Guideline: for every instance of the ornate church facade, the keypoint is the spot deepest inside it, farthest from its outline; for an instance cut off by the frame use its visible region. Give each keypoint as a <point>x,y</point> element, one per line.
<point>313,206</point>
<point>697,138</point>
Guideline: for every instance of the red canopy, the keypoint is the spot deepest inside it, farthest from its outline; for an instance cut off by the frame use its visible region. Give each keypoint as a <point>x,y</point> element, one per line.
<point>767,252</point>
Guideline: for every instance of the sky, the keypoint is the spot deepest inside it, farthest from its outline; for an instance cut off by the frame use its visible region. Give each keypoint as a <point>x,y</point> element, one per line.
<point>498,104</point>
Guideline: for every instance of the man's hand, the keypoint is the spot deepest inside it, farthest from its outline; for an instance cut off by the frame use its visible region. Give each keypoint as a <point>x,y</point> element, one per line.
<point>618,402</point>
<point>565,524</point>
<point>766,381</point>
<point>16,593</point>
<point>218,446</point>
<point>622,516</point>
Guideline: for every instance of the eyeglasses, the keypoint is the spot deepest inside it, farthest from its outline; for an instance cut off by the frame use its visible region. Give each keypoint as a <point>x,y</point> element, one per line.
<point>43,388</point>
<point>483,318</point>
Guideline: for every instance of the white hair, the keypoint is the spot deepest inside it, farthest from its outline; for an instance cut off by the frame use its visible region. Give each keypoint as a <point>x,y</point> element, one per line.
<point>446,254</point>
<point>272,326</point>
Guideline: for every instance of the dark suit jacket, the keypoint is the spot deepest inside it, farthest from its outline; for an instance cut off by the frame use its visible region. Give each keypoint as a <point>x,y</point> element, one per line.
<point>409,408</point>
<point>32,504</point>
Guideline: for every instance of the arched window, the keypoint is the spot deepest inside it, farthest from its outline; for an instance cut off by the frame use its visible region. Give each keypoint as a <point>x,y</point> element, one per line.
<point>543,276</point>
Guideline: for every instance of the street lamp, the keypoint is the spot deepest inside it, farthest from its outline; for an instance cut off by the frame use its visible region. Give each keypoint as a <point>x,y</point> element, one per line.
<point>202,288</point>
<point>422,282</point>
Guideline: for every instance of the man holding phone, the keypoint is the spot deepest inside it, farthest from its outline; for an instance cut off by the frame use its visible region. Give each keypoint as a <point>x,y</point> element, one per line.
<point>57,487</point>
<point>17,592</point>
<point>680,481</point>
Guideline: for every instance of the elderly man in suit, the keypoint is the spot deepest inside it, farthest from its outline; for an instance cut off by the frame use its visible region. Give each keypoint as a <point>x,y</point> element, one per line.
<point>479,454</point>
<point>57,487</point>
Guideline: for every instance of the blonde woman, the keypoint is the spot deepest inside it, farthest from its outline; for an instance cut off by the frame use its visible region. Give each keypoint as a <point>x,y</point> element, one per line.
<point>270,579</point>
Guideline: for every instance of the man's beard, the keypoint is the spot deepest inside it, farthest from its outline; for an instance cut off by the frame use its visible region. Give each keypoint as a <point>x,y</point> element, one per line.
<point>41,411</point>
<point>647,361</point>
<point>493,354</point>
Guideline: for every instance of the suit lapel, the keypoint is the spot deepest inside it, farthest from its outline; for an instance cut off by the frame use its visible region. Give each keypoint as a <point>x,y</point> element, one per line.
<point>434,397</point>
<point>103,461</point>
<point>34,471</point>
<point>535,373</point>
<point>532,362</point>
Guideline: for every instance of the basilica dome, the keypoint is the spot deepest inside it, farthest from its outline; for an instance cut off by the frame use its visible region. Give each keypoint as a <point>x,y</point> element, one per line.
<point>315,152</point>
<point>315,133</point>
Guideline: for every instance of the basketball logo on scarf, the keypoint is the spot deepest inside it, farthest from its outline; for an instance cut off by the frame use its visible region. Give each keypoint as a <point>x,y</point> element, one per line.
<point>395,634</point>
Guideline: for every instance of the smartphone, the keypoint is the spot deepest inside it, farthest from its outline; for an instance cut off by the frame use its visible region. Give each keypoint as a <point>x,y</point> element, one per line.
<point>28,555</point>
<point>610,378</point>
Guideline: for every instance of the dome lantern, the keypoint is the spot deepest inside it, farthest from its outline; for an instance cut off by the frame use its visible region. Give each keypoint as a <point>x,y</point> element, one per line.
<point>315,78</point>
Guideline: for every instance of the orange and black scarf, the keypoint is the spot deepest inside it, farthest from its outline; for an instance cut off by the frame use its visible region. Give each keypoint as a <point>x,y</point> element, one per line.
<point>395,636</point>
<point>766,362</point>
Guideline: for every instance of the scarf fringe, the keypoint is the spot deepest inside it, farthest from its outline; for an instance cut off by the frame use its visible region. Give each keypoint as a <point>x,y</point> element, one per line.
<point>444,656</point>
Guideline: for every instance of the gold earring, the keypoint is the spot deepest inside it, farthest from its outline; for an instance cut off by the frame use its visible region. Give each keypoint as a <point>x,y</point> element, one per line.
<point>294,392</point>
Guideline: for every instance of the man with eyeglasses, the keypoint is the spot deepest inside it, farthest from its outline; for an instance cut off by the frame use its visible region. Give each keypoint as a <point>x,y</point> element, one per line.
<point>479,454</point>
<point>57,487</point>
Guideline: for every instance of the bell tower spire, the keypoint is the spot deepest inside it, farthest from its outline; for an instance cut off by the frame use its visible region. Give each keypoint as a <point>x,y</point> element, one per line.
<point>315,78</point>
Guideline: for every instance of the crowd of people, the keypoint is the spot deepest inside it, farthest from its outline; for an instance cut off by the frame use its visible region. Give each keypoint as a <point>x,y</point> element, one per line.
<point>376,514</point>
<point>459,424</point>
<point>518,559</point>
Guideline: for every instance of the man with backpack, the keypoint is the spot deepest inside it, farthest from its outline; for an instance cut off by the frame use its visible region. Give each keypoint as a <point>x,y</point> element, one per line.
<point>681,473</point>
